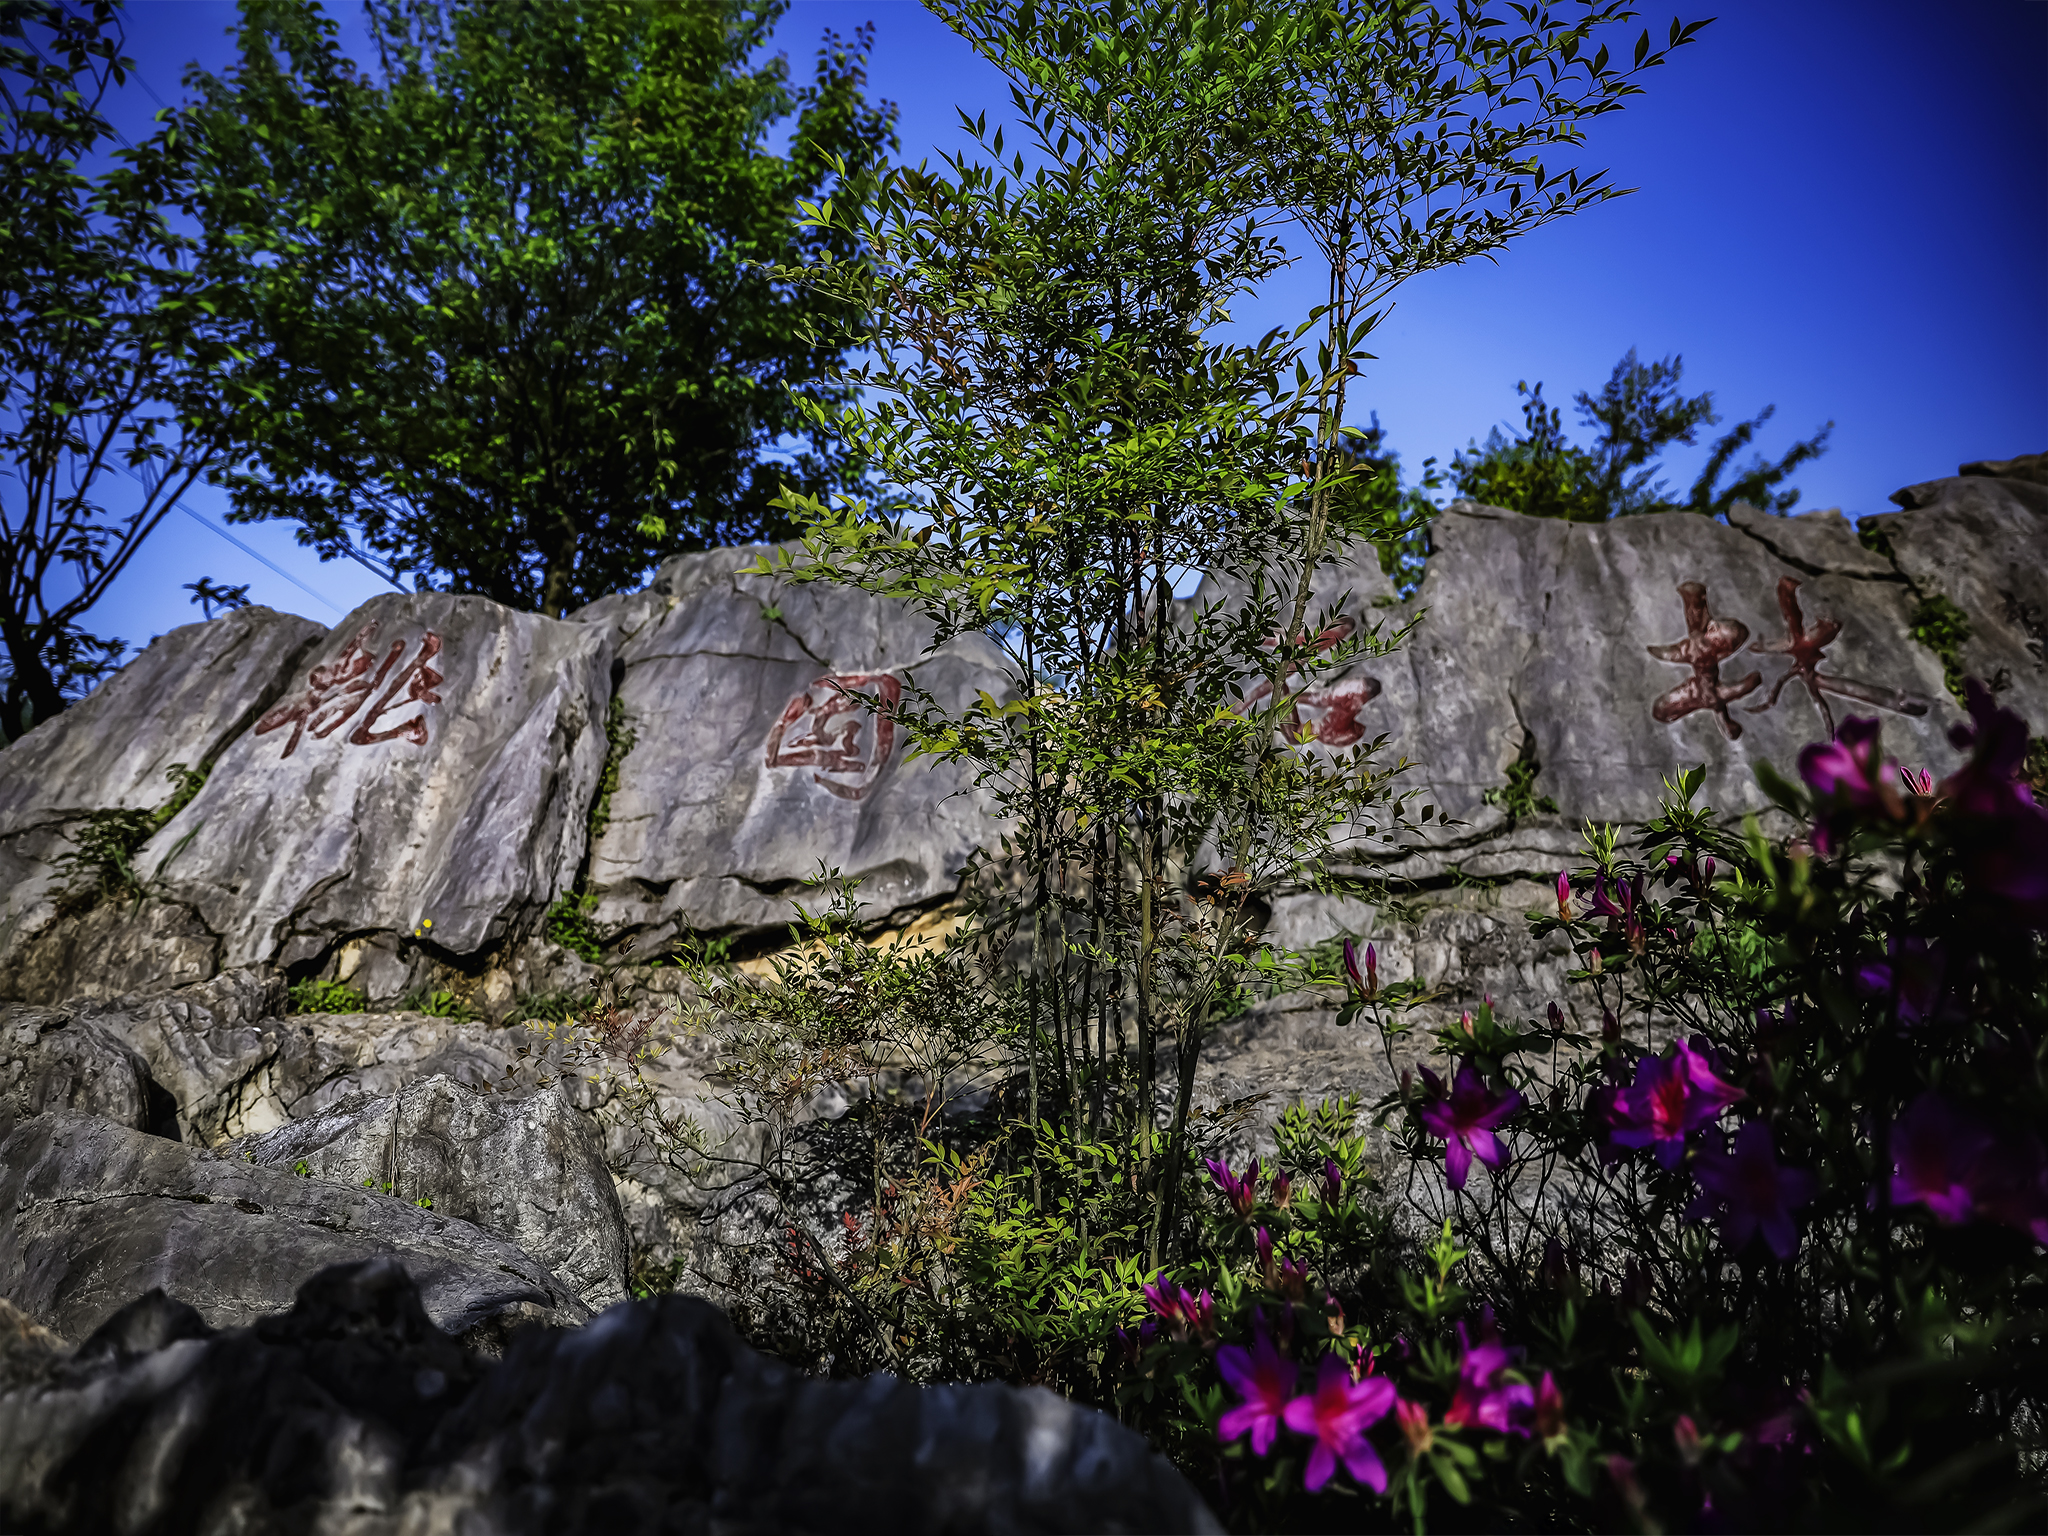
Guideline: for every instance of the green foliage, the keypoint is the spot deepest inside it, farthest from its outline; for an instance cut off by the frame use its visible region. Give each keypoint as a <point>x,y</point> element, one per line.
<point>315,996</point>
<point>440,1005</point>
<point>619,737</point>
<point>1638,413</point>
<point>112,349</point>
<point>105,846</point>
<point>1377,508</point>
<point>506,311</point>
<point>1942,627</point>
<point>568,924</point>
<point>1518,796</point>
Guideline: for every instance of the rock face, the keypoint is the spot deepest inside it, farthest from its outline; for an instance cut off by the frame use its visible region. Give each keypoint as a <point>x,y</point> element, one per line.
<point>93,1213</point>
<point>754,759</point>
<point>177,704</point>
<point>654,1418</point>
<point>51,1060</point>
<point>1981,542</point>
<point>528,1168</point>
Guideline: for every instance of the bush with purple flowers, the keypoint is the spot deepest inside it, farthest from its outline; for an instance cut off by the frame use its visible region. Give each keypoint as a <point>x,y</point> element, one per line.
<point>1763,1248</point>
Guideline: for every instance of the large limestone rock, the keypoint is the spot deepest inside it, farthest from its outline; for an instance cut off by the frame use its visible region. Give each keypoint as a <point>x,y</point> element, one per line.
<point>754,761</point>
<point>93,1213</point>
<point>526,1167</point>
<point>49,1059</point>
<point>178,704</point>
<point>654,1418</point>
<point>1981,541</point>
<point>435,761</point>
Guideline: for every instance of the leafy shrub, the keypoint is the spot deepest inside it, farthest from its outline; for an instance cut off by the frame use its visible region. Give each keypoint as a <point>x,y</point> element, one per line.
<point>316,996</point>
<point>1764,1249</point>
<point>105,846</point>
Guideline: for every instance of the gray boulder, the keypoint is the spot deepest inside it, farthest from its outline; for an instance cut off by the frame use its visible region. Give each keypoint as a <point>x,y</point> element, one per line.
<point>754,759</point>
<point>50,1059</point>
<point>528,1168</point>
<point>1981,541</point>
<point>179,703</point>
<point>435,761</point>
<point>352,1411</point>
<point>93,1213</point>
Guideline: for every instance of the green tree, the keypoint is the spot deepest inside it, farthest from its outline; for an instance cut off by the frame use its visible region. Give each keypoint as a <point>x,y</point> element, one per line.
<point>1046,380</point>
<point>1639,412</point>
<point>110,350</point>
<point>506,309</point>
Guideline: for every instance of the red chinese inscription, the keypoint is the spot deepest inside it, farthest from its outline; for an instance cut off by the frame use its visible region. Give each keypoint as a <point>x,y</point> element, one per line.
<point>1804,647</point>
<point>335,692</point>
<point>1331,709</point>
<point>834,728</point>
<point>1708,642</point>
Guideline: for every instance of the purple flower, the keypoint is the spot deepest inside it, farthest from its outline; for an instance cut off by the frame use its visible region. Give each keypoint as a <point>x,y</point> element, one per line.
<point>1627,915</point>
<point>1367,985</point>
<point>1333,1181</point>
<point>1912,974</point>
<point>1564,896</point>
<point>1465,1118</point>
<point>1336,1416</point>
<point>2002,833</point>
<point>1935,1159</point>
<point>1243,1194</point>
<point>1848,777</point>
<point>1265,1379</point>
<point>1670,1099</point>
<point>1752,1192</point>
<point>1482,1399</point>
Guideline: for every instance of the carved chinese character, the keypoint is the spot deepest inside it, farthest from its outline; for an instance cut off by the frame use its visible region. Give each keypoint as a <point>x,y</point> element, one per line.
<point>1708,642</point>
<point>1333,707</point>
<point>822,729</point>
<point>1804,648</point>
<point>336,691</point>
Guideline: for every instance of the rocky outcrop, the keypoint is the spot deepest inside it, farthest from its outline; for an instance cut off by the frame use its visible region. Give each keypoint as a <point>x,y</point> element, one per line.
<point>526,1167</point>
<point>354,1410</point>
<point>756,758</point>
<point>49,1059</point>
<point>93,1213</point>
<point>176,706</point>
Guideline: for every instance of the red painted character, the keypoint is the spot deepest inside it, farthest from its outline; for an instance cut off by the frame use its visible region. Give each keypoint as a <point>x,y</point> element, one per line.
<point>821,727</point>
<point>336,691</point>
<point>1708,642</point>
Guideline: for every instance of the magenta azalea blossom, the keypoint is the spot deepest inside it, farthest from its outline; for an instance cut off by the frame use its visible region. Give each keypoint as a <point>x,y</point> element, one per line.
<point>1243,1194</point>
<point>1752,1192</point>
<point>1670,1099</point>
<point>1996,739</point>
<point>1465,1118</point>
<point>1848,776</point>
<point>1936,1157</point>
<point>1336,1416</point>
<point>1367,983</point>
<point>1482,1399</point>
<point>1265,1379</point>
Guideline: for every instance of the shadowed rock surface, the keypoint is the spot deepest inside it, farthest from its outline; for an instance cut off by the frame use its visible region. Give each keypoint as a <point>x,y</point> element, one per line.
<point>528,1168</point>
<point>182,701</point>
<point>93,1213</point>
<point>353,1411</point>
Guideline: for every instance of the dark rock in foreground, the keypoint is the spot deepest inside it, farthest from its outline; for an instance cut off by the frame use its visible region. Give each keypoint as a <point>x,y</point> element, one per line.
<point>353,1410</point>
<point>93,1213</point>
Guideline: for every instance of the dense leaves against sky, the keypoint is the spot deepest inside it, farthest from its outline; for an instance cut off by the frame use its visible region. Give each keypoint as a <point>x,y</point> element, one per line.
<point>508,326</point>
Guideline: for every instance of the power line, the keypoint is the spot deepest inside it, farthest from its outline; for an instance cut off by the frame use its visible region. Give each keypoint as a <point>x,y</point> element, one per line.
<point>214,527</point>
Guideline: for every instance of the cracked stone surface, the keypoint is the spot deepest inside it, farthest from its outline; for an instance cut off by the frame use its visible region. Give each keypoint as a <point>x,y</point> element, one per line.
<point>434,760</point>
<point>654,1418</point>
<point>1981,541</point>
<point>92,1214</point>
<point>748,769</point>
<point>180,702</point>
<point>527,1167</point>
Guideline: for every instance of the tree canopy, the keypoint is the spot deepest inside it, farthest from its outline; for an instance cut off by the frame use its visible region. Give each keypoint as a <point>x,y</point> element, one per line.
<point>113,358</point>
<point>510,327</point>
<point>1639,412</point>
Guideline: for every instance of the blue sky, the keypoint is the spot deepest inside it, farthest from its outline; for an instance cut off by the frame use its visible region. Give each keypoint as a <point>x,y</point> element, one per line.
<point>1841,209</point>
